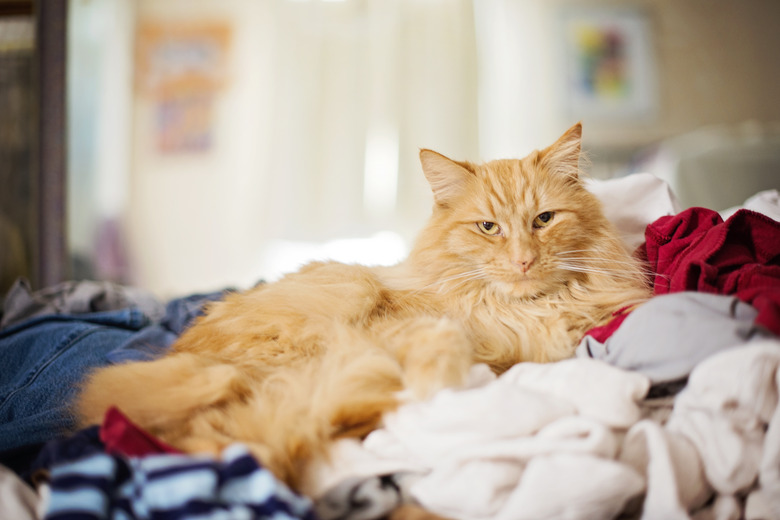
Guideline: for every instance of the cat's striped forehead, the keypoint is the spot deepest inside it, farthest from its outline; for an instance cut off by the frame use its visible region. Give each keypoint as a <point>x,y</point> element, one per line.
<point>518,187</point>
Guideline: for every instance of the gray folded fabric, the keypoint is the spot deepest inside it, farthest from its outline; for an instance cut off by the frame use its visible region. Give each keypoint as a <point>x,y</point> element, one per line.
<point>22,303</point>
<point>668,335</point>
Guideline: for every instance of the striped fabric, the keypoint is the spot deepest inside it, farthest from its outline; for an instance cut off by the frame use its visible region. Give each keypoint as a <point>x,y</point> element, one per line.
<point>172,487</point>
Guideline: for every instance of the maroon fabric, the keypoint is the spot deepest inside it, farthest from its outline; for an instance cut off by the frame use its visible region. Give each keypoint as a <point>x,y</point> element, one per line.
<point>121,436</point>
<point>603,332</point>
<point>696,251</point>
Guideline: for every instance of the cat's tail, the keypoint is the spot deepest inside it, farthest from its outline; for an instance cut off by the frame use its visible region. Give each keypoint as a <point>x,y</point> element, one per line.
<point>159,395</point>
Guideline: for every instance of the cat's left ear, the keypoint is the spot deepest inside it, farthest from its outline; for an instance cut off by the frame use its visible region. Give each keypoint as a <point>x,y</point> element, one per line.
<point>563,156</point>
<point>446,177</point>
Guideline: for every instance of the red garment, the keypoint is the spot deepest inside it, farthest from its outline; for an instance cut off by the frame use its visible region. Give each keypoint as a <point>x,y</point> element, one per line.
<point>602,333</point>
<point>121,436</point>
<point>696,251</point>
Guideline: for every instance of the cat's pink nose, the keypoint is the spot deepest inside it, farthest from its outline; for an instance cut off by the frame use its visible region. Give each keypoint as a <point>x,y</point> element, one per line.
<point>525,262</point>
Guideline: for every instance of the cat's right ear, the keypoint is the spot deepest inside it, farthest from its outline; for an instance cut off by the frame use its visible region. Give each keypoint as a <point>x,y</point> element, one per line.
<point>563,156</point>
<point>446,177</point>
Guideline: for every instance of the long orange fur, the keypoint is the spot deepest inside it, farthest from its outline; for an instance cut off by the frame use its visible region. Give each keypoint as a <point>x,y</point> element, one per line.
<point>289,366</point>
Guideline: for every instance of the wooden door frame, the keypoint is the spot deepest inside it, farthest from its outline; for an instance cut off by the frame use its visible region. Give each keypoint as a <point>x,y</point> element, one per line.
<point>51,263</point>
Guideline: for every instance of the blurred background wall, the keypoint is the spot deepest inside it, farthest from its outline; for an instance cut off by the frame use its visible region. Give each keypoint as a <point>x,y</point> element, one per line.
<point>220,142</point>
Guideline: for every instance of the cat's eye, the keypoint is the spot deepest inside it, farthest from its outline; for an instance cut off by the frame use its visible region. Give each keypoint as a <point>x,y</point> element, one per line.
<point>489,228</point>
<point>543,219</point>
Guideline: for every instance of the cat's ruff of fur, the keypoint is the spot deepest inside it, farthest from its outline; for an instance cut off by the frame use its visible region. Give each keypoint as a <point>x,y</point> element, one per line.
<point>516,263</point>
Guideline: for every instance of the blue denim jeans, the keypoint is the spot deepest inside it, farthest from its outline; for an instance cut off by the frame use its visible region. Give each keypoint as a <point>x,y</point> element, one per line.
<point>42,362</point>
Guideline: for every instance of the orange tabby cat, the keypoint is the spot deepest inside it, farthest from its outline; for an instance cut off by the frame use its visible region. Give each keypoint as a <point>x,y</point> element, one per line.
<point>515,264</point>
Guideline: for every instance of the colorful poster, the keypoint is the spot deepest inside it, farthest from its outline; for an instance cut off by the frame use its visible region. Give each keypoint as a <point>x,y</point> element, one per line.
<point>609,67</point>
<point>182,68</point>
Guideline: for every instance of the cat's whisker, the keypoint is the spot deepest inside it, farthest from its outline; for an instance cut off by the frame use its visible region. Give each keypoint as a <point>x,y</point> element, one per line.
<point>618,273</point>
<point>465,274</point>
<point>595,268</point>
<point>481,276</point>
<point>457,276</point>
<point>595,260</point>
<point>576,251</point>
<point>590,259</point>
<point>477,274</point>
<point>604,247</point>
<point>566,255</point>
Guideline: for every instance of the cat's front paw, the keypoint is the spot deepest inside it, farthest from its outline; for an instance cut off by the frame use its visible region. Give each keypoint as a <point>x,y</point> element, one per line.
<point>437,355</point>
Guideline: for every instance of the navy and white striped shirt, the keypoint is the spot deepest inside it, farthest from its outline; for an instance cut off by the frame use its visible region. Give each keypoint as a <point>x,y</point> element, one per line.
<point>172,487</point>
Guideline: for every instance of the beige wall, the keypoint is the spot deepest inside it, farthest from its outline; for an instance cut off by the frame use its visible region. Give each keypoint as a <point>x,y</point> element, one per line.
<point>717,63</point>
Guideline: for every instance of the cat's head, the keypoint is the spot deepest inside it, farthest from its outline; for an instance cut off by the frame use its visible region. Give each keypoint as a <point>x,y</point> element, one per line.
<point>512,224</point>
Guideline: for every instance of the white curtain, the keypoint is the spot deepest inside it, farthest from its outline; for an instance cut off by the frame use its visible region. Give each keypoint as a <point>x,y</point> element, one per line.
<point>316,135</point>
<point>359,87</point>
<point>519,84</point>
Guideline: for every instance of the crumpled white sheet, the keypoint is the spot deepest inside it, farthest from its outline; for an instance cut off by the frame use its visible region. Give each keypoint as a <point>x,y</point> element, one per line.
<point>570,440</point>
<point>634,201</point>
<point>766,202</point>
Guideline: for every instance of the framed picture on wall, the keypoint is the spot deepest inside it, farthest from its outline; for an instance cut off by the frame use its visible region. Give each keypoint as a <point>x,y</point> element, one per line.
<point>608,64</point>
<point>182,69</point>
